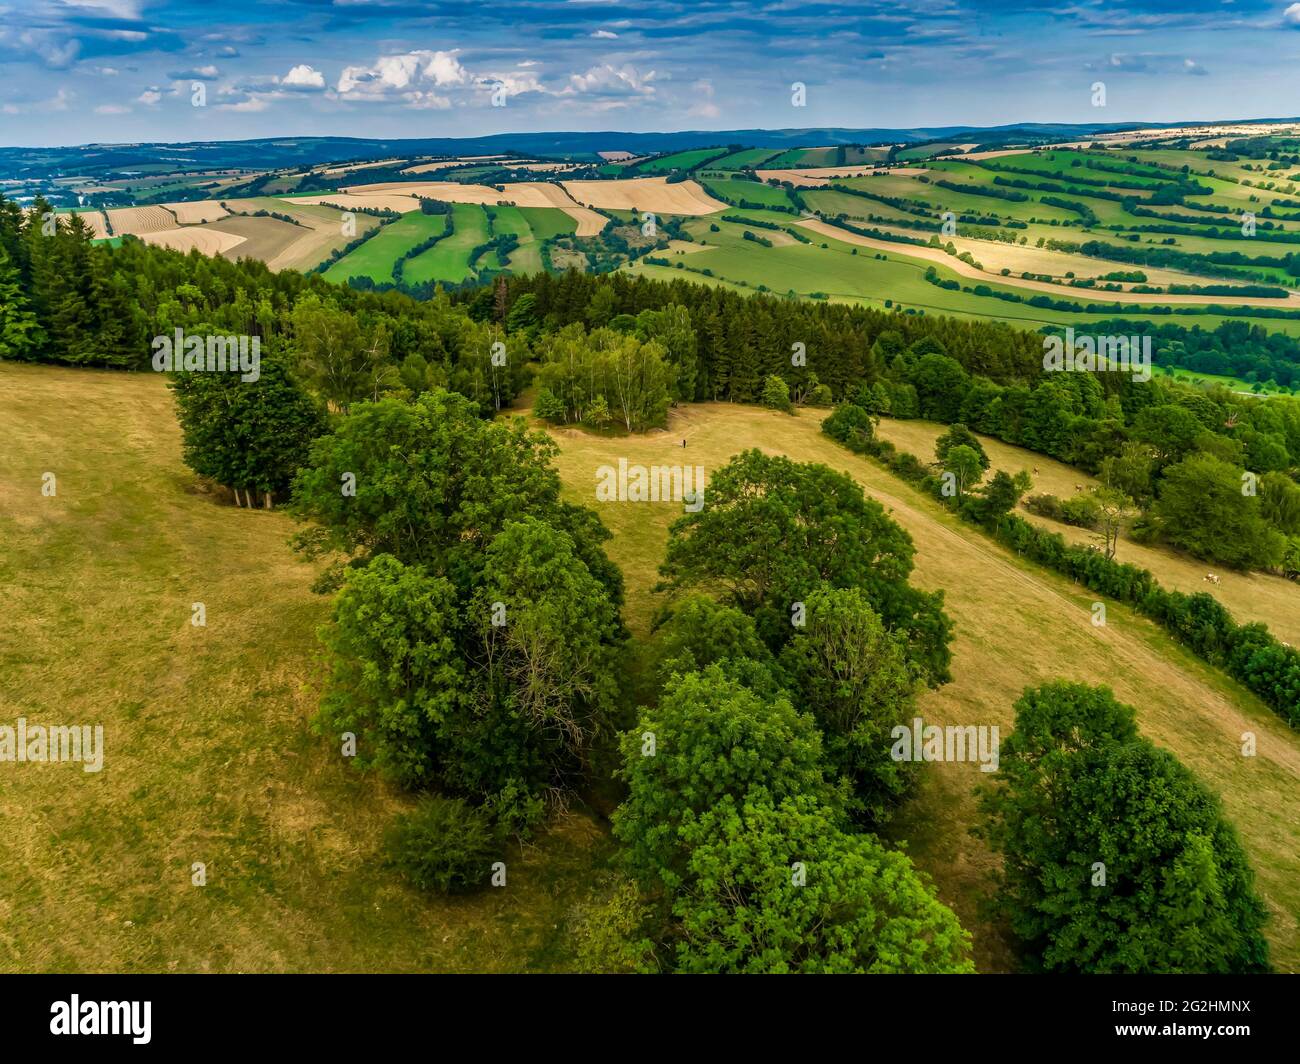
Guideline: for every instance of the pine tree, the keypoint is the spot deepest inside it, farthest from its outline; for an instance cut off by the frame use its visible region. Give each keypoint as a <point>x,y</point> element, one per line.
<point>19,332</point>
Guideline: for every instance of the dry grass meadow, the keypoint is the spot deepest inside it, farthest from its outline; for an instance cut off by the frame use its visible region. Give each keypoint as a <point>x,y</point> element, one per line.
<point>209,757</point>
<point>208,754</point>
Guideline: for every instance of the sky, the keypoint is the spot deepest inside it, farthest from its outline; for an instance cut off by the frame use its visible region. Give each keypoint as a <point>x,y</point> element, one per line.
<point>81,71</point>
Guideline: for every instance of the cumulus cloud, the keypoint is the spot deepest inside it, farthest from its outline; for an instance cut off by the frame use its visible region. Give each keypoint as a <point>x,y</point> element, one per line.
<point>609,81</point>
<point>1291,16</point>
<point>303,77</point>
<point>150,97</point>
<point>402,75</point>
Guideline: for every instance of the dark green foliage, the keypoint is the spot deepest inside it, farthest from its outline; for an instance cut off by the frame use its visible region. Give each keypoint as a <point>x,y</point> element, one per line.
<point>1203,509</point>
<point>774,531</point>
<point>253,436</point>
<point>443,845</point>
<point>958,435</point>
<point>851,425</point>
<point>859,909</point>
<point>1115,858</point>
<point>473,644</point>
<point>714,740</point>
<point>854,677</point>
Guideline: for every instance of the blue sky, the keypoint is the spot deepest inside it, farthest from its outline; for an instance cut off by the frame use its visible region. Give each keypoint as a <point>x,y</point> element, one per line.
<point>121,70</point>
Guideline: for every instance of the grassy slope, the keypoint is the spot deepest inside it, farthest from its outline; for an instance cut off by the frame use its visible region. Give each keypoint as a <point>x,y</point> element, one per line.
<point>375,258</point>
<point>864,278</point>
<point>727,188</point>
<point>209,757</point>
<point>1250,596</point>
<point>527,258</point>
<point>448,260</point>
<point>208,753</point>
<point>1016,625</point>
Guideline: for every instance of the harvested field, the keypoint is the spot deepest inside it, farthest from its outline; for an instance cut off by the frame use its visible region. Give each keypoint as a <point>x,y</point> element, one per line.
<point>138,221</point>
<point>194,238</point>
<point>645,194</point>
<point>424,168</point>
<point>197,213</point>
<point>376,201</point>
<point>819,175</point>
<point>94,219</point>
<point>259,238</point>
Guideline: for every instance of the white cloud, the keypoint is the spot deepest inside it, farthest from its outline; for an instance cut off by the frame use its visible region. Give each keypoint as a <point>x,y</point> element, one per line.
<point>398,74</point>
<point>1291,16</point>
<point>253,103</point>
<point>426,101</point>
<point>304,77</point>
<point>150,97</point>
<point>605,35</point>
<point>606,80</point>
<point>54,54</point>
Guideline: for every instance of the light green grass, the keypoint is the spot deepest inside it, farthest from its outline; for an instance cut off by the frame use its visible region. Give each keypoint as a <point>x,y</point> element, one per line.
<point>448,260</point>
<point>375,258</point>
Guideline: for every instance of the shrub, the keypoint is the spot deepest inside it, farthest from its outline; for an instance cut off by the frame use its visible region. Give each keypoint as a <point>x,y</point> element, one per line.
<point>443,844</point>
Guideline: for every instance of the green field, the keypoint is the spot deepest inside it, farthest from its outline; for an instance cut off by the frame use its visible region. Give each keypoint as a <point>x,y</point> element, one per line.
<point>747,158</point>
<point>737,189</point>
<point>881,278</point>
<point>682,160</point>
<point>448,260</point>
<point>375,258</point>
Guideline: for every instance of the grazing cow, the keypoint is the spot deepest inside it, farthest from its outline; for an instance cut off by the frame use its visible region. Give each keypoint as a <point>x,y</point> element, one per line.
<point>1078,487</point>
<point>1212,578</point>
<point>1035,472</point>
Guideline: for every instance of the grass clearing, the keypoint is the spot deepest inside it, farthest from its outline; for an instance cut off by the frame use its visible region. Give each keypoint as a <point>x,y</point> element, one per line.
<point>209,757</point>
<point>208,754</point>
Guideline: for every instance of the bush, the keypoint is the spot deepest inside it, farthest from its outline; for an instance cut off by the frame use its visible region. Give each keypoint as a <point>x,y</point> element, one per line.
<point>444,845</point>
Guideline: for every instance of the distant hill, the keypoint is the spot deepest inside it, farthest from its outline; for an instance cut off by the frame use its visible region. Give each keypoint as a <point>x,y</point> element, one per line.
<point>276,152</point>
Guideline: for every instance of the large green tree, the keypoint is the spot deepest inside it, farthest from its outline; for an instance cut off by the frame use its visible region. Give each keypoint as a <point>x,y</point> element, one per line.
<point>773,531</point>
<point>1115,857</point>
<point>853,676</point>
<point>1205,508</point>
<point>251,436</point>
<point>776,887</point>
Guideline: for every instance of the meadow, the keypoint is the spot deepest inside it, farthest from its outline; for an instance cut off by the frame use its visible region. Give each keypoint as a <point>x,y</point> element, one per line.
<point>210,756</point>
